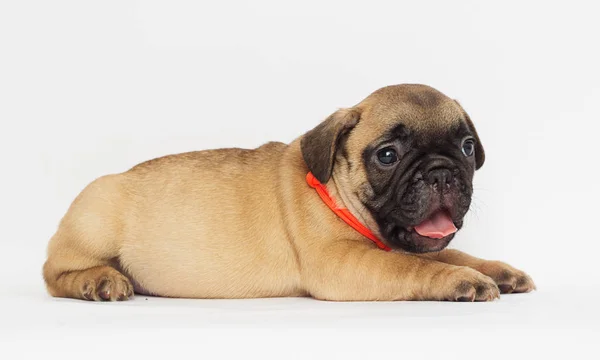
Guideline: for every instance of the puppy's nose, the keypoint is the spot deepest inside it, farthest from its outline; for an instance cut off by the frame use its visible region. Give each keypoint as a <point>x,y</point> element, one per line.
<point>441,177</point>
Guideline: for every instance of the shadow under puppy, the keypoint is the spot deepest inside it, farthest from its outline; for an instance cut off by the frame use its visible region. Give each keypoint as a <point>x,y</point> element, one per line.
<point>234,223</point>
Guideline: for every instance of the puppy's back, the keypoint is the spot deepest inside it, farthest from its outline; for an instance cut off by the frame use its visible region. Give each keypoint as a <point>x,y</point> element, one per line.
<point>198,224</point>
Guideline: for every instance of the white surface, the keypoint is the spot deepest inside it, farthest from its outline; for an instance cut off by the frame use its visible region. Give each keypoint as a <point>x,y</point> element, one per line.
<point>553,322</point>
<point>90,88</point>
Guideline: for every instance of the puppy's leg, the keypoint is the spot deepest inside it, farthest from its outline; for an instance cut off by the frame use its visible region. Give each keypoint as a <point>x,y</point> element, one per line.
<point>347,271</point>
<point>87,241</point>
<point>99,283</point>
<point>508,279</point>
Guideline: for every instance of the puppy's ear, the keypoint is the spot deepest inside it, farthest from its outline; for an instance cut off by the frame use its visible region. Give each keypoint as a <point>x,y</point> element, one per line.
<point>320,144</point>
<point>479,152</point>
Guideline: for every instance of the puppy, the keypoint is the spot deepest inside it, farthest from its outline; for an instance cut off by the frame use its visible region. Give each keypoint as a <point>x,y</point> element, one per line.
<point>359,208</point>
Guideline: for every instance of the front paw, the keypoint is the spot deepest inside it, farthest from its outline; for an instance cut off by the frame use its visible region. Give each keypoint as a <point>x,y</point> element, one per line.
<point>467,284</point>
<point>508,279</point>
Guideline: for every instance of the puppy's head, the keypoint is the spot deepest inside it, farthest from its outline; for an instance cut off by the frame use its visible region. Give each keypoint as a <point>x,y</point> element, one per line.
<point>404,158</point>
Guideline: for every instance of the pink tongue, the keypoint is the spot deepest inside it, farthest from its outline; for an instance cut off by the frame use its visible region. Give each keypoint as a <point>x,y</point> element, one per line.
<point>437,226</point>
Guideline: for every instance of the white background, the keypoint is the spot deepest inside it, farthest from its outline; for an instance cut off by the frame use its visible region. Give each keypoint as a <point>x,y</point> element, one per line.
<point>93,87</point>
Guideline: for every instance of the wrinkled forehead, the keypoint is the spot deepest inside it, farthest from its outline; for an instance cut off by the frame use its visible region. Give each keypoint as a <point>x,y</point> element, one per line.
<point>428,116</point>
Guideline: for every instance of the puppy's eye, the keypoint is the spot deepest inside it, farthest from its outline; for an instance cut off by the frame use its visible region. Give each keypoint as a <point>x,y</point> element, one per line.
<point>387,156</point>
<point>468,147</point>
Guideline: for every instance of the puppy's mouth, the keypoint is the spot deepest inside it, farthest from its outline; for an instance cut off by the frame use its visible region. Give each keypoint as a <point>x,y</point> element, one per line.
<point>432,234</point>
<point>437,226</point>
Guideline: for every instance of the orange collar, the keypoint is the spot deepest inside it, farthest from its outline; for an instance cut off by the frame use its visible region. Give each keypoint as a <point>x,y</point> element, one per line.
<point>343,213</point>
